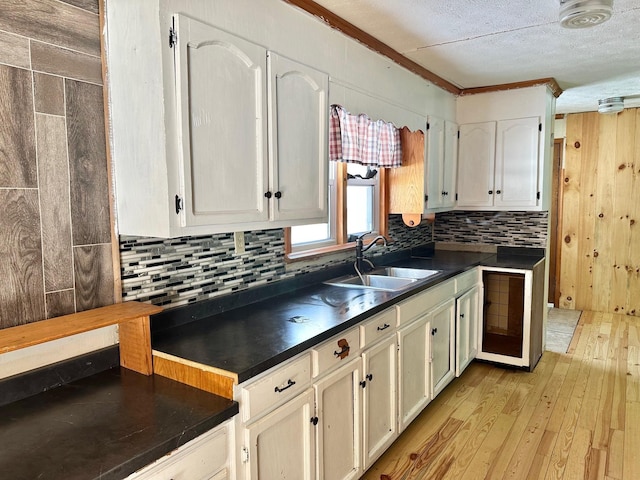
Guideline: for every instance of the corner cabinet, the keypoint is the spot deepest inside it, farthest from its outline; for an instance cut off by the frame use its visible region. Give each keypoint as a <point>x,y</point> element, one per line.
<point>498,164</point>
<point>505,147</point>
<point>210,132</point>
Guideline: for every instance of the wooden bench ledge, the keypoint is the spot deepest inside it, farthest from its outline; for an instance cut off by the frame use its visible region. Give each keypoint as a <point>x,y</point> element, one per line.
<point>134,330</point>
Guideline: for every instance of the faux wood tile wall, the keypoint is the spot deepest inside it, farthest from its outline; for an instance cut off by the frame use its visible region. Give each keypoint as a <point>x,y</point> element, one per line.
<point>600,257</point>
<point>55,239</point>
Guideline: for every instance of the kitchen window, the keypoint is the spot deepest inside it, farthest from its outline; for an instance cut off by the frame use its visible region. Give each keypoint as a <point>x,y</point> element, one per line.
<point>355,207</point>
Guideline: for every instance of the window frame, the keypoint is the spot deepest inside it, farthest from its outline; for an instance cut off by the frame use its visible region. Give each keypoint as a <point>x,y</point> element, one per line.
<point>340,214</point>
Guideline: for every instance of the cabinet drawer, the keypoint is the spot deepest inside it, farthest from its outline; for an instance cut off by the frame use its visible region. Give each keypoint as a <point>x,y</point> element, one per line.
<point>202,457</point>
<point>378,327</point>
<point>423,302</point>
<point>335,352</point>
<point>466,280</point>
<point>275,387</point>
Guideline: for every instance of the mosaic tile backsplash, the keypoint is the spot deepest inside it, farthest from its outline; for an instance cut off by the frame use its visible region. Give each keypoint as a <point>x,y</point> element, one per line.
<point>178,271</point>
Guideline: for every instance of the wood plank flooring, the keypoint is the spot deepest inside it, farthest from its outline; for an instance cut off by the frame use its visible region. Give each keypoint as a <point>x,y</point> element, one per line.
<point>577,416</point>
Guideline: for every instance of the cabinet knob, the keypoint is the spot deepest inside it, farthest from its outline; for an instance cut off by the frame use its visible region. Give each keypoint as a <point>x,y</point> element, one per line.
<point>462,315</point>
<point>490,192</point>
<point>434,331</point>
<point>314,420</point>
<point>363,384</point>
<point>268,194</point>
<point>369,376</point>
<point>277,194</point>
<point>498,192</point>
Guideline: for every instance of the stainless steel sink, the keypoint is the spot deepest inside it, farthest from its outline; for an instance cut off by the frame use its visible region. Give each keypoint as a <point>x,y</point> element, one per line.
<point>390,279</point>
<point>417,273</point>
<point>374,282</point>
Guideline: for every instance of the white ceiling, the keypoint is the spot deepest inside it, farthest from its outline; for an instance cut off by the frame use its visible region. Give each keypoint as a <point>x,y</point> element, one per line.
<point>475,43</point>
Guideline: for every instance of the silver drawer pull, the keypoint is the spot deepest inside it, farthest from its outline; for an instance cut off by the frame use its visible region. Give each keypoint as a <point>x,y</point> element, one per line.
<point>383,327</point>
<point>290,383</point>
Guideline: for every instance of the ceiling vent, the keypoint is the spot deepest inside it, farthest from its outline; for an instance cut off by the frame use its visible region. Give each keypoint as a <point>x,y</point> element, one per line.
<point>611,105</point>
<point>584,13</point>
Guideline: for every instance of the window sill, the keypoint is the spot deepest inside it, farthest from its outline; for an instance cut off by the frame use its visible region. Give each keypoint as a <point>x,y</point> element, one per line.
<point>318,252</point>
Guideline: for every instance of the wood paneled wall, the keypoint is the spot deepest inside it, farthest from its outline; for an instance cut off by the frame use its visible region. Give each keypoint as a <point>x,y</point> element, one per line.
<point>55,232</point>
<point>600,256</point>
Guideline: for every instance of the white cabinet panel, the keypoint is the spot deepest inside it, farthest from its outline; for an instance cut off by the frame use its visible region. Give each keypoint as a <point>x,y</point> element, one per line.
<point>414,386</point>
<point>222,106</point>
<point>516,180</point>
<point>467,308</point>
<point>476,164</point>
<point>443,366</point>
<point>435,163</point>
<point>282,444</point>
<point>449,181</point>
<point>339,423</point>
<point>379,399</point>
<point>298,134</point>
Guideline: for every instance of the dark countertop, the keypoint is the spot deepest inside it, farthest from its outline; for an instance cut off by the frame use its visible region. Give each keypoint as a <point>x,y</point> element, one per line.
<point>105,426</point>
<point>248,340</point>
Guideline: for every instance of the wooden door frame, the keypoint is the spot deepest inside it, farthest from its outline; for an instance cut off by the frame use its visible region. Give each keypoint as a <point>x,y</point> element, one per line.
<point>555,233</point>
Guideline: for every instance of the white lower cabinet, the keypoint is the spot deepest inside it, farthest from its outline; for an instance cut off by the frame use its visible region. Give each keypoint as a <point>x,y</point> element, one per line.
<point>282,444</point>
<point>379,411</point>
<point>467,308</point>
<point>207,457</point>
<point>339,426</point>
<point>414,357</point>
<point>443,366</point>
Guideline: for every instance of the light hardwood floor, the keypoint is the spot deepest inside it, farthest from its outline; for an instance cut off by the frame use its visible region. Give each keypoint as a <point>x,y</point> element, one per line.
<point>577,416</point>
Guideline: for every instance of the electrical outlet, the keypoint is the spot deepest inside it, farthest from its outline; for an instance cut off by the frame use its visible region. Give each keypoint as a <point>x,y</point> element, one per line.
<point>238,240</point>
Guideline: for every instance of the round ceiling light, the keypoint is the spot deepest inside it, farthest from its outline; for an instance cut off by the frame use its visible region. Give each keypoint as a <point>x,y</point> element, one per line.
<point>584,13</point>
<point>611,105</point>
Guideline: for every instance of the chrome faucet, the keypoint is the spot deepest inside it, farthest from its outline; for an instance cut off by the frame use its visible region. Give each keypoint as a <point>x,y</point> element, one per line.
<point>360,249</point>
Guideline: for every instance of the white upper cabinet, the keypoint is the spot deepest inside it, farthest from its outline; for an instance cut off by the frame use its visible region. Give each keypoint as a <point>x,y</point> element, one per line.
<point>476,164</point>
<point>222,107</point>
<point>504,157</point>
<point>516,176</point>
<point>298,139</point>
<point>442,156</point>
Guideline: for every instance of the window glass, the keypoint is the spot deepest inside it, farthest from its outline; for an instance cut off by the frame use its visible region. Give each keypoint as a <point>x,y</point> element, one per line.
<point>360,211</point>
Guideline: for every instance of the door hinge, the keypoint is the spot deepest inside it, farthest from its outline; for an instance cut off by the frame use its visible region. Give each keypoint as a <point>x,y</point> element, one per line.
<point>179,204</point>
<point>244,455</point>
<point>538,195</point>
<point>173,36</point>
<point>456,197</point>
<point>428,126</point>
<point>458,134</point>
<point>540,127</point>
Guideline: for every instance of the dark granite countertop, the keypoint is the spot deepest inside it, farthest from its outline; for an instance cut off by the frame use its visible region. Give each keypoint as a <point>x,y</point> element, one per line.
<point>248,340</point>
<point>104,426</point>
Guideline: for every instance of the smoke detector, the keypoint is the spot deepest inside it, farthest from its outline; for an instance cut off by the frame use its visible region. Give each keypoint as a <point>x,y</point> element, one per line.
<point>611,105</point>
<point>584,13</point>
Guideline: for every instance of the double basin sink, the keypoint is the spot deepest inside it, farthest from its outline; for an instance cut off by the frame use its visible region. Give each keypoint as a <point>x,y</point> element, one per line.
<point>391,279</point>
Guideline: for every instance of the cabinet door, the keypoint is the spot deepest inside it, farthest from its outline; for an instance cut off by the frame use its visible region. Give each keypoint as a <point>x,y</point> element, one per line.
<point>443,366</point>
<point>222,125</point>
<point>282,444</point>
<point>435,163</point>
<point>299,120</point>
<point>449,181</point>
<point>413,370</point>
<point>476,164</point>
<point>517,163</point>
<point>339,423</point>
<point>379,410</point>
<point>466,328</point>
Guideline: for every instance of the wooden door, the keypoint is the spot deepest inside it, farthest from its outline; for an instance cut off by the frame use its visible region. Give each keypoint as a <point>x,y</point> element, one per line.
<point>443,366</point>
<point>516,175</point>
<point>466,329</point>
<point>338,438</point>
<point>414,386</point>
<point>476,153</point>
<point>298,134</point>
<point>379,409</point>
<point>435,162</point>
<point>222,125</point>
<point>449,178</point>
<point>282,444</point>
